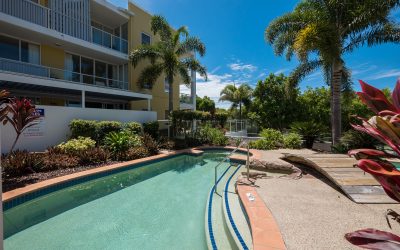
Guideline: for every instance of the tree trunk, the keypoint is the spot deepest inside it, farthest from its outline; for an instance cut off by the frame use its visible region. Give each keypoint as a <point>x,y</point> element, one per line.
<point>15,142</point>
<point>240,110</point>
<point>171,93</point>
<point>336,114</point>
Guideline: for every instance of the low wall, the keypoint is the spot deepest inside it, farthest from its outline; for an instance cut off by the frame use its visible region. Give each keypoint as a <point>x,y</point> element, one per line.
<point>54,126</point>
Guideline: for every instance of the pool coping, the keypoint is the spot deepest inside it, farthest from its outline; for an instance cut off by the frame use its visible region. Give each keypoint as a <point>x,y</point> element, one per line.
<point>19,192</point>
<point>264,228</point>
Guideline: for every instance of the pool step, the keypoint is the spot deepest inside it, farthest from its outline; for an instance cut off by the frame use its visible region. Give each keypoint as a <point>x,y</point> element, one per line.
<point>234,214</point>
<point>217,231</point>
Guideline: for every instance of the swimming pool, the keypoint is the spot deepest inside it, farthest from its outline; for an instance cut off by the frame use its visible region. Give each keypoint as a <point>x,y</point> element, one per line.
<point>160,205</point>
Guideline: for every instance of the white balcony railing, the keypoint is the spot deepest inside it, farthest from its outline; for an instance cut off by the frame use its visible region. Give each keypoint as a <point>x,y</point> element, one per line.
<point>60,74</point>
<point>26,10</point>
<point>40,15</point>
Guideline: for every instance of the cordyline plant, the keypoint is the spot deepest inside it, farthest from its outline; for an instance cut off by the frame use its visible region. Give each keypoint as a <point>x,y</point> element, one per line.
<point>21,114</point>
<point>384,126</point>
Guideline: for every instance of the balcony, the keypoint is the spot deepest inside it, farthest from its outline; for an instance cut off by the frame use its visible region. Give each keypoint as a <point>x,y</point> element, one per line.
<point>60,74</point>
<point>77,28</point>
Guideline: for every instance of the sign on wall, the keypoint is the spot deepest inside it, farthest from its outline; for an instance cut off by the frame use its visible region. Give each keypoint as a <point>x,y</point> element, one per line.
<point>38,129</point>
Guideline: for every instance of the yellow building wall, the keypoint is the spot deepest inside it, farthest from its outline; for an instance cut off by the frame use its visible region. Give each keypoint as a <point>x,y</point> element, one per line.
<point>141,22</point>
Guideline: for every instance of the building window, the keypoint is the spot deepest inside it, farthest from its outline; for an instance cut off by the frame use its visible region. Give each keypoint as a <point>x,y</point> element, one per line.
<point>74,104</point>
<point>166,85</point>
<point>87,70</point>
<point>146,39</point>
<point>15,49</point>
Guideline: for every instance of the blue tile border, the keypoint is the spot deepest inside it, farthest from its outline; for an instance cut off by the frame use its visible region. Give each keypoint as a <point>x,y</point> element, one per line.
<point>209,212</point>
<point>228,211</point>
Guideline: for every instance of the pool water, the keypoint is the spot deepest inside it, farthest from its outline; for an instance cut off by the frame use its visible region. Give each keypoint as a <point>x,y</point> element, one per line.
<point>157,206</point>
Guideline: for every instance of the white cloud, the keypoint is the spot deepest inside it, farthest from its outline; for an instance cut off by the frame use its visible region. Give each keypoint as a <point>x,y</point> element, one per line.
<point>242,67</point>
<point>212,88</point>
<point>280,71</point>
<point>384,74</point>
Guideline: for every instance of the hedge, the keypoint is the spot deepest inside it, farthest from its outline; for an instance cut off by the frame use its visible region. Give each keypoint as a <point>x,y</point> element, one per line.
<point>97,130</point>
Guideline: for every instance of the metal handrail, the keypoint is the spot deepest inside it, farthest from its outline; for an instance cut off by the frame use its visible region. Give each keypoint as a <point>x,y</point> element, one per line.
<point>223,160</point>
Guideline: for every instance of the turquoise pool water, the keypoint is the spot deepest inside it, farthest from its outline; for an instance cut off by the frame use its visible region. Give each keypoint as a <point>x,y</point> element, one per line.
<point>156,206</point>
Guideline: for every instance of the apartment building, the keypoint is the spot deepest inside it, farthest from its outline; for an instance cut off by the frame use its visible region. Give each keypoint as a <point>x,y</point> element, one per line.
<point>72,56</point>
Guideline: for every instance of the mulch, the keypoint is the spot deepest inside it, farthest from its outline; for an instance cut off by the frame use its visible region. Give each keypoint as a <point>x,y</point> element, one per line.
<point>18,182</point>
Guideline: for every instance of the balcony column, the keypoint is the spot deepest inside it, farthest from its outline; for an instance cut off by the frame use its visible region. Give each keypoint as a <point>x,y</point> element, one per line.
<point>148,105</point>
<point>83,101</point>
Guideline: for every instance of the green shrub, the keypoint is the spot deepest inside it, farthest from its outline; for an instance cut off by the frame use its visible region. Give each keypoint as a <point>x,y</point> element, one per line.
<point>214,136</point>
<point>103,128</point>
<point>272,139</point>
<point>133,127</point>
<point>151,128</point>
<point>309,130</point>
<point>262,144</point>
<point>84,128</point>
<point>354,139</point>
<point>119,142</point>
<point>20,163</point>
<point>292,140</point>
<point>75,146</point>
<point>93,156</point>
<point>150,144</point>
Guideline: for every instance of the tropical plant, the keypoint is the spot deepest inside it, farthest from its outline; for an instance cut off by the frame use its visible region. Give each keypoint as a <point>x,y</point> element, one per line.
<point>95,155</point>
<point>3,108</point>
<point>150,144</point>
<point>354,139</point>
<point>22,115</point>
<point>385,127</point>
<point>18,163</point>
<point>169,56</point>
<point>119,142</point>
<point>103,128</point>
<point>77,146</point>
<point>238,96</point>
<point>320,33</point>
<point>309,130</point>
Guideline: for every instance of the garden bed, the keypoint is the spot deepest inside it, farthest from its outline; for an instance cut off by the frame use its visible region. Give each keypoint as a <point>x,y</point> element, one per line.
<point>22,181</point>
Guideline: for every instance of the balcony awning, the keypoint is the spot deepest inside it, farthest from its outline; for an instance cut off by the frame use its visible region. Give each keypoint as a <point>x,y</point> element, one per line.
<point>11,81</point>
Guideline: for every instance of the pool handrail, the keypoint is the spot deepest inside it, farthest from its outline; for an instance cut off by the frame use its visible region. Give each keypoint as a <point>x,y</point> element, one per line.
<point>225,158</point>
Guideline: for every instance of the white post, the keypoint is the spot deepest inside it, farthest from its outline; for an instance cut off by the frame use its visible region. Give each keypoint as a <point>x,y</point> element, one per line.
<point>83,99</point>
<point>148,105</point>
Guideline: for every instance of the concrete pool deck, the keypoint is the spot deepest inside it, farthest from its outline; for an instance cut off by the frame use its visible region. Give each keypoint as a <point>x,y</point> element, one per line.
<point>312,213</point>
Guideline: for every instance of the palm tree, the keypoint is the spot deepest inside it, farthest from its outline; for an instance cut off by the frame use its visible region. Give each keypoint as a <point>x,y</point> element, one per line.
<point>237,96</point>
<point>321,32</point>
<point>169,56</point>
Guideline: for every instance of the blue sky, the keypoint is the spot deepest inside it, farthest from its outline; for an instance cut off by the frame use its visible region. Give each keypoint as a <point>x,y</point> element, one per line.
<point>233,31</point>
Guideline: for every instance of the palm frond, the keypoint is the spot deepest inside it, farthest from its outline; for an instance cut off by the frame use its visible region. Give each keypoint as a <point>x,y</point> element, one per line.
<point>159,25</point>
<point>150,74</point>
<point>228,93</point>
<point>185,76</point>
<point>301,71</point>
<point>181,31</point>
<point>193,64</point>
<point>150,52</point>
<point>191,44</point>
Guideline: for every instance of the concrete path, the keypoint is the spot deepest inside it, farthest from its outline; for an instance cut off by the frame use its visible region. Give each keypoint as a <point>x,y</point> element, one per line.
<point>359,186</point>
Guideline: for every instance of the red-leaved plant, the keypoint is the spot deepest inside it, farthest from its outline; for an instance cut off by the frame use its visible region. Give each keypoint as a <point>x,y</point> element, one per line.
<point>384,126</point>
<point>21,114</point>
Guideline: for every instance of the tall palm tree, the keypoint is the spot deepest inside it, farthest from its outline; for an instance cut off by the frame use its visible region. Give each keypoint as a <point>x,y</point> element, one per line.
<point>237,96</point>
<point>169,56</point>
<point>321,32</point>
